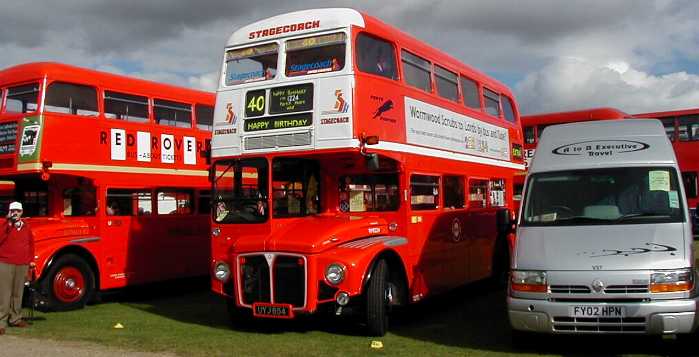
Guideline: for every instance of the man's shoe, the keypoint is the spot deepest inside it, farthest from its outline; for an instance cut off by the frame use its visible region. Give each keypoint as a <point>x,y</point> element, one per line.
<point>20,324</point>
<point>2,331</point>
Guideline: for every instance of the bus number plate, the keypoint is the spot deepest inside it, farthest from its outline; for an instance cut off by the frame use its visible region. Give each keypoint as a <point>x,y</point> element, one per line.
<point>597,311</point>
<point>278,311</point>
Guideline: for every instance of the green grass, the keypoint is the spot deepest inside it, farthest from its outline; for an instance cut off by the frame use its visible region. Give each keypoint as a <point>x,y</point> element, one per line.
<point>185,318</point>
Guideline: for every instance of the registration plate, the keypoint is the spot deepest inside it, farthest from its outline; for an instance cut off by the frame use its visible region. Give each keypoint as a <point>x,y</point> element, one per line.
<point>275,311</point>
<point>597,311</point>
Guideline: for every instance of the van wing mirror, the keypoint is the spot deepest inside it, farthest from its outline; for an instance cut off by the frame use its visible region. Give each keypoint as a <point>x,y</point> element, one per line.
<point>505,223</point>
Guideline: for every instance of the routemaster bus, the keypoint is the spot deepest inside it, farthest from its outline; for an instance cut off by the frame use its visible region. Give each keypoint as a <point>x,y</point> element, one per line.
<point>112,173</point>
<point>681,126</point>
<point>534,125</point>
<point>355,169</point>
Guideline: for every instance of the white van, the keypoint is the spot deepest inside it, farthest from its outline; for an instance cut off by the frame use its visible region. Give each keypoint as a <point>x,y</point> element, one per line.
<point>604,242</point>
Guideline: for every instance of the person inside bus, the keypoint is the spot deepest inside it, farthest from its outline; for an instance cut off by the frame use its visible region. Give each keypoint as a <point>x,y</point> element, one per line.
<point>16,257</point>
<point>113,209</point>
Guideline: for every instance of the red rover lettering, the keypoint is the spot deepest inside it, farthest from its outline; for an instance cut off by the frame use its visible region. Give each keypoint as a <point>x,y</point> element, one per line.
<point>284,29</point>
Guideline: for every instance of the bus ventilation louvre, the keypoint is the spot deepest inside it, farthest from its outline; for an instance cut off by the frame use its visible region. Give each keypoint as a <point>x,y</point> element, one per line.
<point>281,140</point>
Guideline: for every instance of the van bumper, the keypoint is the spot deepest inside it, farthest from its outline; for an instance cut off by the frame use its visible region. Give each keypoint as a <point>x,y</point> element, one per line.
<point>653,318</point>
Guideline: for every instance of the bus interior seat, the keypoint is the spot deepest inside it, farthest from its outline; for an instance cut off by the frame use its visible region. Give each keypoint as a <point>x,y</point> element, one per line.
<point>655,202</point>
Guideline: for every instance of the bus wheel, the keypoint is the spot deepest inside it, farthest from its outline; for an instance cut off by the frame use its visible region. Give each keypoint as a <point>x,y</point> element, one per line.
<point>377,300</point>
<point>69,284</point>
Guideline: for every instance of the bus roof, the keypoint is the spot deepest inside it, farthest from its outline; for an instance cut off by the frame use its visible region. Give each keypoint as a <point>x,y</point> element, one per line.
<point>605,143</point>
<point>670,113</point>
<point>63,72</point>
<point>332,18</point>
<point>574,116</point>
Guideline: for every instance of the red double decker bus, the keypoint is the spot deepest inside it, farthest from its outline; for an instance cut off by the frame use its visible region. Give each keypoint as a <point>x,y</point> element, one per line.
<point>355,169</point>
<point>681,126</point>
<point>112,172</point>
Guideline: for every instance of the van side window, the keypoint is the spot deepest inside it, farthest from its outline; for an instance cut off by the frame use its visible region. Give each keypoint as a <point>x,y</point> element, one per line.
<point>71,98</point>
<point>416,71</point>
<point>454,195</point>
<point>376,56</point>
<point>478,194</point>
<point>424,192</point>
<point>127,107</point>
<point>22,99</point>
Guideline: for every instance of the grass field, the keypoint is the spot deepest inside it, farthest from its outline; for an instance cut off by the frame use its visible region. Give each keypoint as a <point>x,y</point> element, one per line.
<point>185,318</point>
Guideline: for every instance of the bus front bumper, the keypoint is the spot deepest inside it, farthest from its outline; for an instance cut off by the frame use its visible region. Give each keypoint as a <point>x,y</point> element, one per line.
<point>653,318</point>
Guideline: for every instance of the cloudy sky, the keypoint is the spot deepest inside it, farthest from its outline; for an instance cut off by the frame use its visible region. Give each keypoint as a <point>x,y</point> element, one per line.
<point>636,55</point>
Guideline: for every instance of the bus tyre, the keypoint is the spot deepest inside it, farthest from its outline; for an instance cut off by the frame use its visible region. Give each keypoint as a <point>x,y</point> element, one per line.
<point>377,300</point>
<point>69,284</point>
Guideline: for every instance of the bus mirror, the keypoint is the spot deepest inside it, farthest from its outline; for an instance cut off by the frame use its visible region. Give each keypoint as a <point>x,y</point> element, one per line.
<point>372,161</point>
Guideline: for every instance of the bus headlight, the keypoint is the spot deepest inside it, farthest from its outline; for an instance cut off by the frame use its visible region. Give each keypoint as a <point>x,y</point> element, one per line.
<point>335,273</point>
<point>222,271</point>
<point>670,281</point>
<point>530,281</point>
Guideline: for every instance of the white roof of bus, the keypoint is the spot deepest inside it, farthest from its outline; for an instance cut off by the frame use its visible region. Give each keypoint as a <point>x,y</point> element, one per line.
<point>331,18</point>
<point>608,143</point>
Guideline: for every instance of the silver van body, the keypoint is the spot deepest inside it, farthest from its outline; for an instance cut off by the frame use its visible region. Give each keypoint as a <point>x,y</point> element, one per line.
<point>604,243</point>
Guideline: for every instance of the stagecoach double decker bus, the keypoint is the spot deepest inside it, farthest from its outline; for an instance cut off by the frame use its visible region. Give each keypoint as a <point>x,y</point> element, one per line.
<point>112,173</point>
<point>354,169</point>
<point>681,126</point>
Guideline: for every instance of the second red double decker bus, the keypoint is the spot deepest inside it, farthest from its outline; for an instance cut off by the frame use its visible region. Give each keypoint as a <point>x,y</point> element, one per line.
<point>355,169</point>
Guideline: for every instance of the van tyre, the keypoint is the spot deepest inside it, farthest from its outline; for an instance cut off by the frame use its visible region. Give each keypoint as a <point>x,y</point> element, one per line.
<point>69,284</point>
<point>377,300</point>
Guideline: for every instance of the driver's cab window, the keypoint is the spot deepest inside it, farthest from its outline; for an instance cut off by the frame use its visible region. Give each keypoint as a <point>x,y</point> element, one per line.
<point>79,201</point>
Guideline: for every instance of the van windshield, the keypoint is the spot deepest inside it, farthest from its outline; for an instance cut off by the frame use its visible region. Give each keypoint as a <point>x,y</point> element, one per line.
<point>628,195</point>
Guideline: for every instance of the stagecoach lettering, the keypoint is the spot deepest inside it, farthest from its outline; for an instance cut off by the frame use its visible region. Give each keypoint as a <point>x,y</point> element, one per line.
<point>308,25</point>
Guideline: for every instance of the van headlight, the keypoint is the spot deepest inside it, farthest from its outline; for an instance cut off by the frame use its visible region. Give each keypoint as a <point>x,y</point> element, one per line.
<point>222,271</point>
<point>530,281</point>
<point>335,273</point>
<point>670,281</point>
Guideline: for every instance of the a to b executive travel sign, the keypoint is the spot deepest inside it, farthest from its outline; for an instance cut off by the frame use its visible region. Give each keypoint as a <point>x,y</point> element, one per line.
<point>600,148</point>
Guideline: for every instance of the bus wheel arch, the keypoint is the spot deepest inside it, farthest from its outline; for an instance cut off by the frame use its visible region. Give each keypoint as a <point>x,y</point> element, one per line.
<point>70,280</point>
<point>397,275</point>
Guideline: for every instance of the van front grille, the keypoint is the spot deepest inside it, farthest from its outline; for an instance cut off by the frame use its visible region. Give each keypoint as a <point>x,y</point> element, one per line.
<point>570,289</point>
<point>599,324</point>
<point>626,289</point>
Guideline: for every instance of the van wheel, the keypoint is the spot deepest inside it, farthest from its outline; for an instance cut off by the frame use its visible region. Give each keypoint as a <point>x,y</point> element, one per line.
<point>377,300</point>
<point>69,284</point>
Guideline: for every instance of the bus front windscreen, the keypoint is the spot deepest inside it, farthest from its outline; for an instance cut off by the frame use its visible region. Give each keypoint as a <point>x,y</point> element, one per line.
<point>251,64</point>
<point>240,191</point>
<point>628,195</point>
<point>317,54</point>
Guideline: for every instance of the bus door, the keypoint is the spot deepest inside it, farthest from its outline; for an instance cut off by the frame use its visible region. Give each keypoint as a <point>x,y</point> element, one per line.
<point>128,250</point>
<point>484,195</point>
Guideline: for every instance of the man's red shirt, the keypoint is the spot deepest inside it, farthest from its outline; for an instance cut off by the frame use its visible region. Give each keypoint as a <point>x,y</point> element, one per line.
<point>16,245</point>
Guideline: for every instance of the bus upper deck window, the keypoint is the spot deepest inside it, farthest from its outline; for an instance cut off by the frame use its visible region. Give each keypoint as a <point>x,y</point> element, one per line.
<point>22,99</point>
<point>447,84</point>
<point>317,54</point>
<point>127,107</point>
<point>205,116</point>
<point>251,64</point>
<point>508,109</point>
<point>669,124</point>
<point>529,137</point>
<point>172,113</point>
<point>417,71</point>
<point>71,98</point>
<point>689,128</point>
<point>492,102</point>
<point>469,88</point>
<point>376,56</point>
